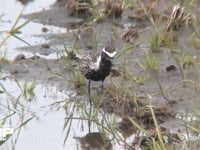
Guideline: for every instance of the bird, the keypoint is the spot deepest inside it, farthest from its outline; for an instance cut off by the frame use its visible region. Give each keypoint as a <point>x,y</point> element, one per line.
<point>96,67</point>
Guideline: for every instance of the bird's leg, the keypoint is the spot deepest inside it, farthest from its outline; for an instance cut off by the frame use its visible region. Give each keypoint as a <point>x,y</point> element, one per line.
<point>89,121</point>
<point>89,87</point>
<point>102,86</point>
<point>89,93</point>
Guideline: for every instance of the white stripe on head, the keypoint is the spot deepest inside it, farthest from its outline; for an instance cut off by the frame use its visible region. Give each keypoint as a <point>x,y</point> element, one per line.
<point>111,55</point>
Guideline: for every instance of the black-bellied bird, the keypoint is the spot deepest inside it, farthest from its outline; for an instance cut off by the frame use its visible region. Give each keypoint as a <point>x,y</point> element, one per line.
<point>97,67</point>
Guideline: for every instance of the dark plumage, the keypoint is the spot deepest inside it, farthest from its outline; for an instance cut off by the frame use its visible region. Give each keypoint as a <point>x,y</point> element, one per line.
<point>97,67</point>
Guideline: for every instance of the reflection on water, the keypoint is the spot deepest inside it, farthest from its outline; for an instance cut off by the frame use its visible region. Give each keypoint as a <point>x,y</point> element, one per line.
<point>44,127</point>
<point>94,141</point>
<point>48,118</point>
<point>24,2</point>
<point>43,118</point>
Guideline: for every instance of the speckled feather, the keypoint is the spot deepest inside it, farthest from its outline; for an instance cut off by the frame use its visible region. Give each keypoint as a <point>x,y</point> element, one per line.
<point>97,67</point>
<point>86,61</point>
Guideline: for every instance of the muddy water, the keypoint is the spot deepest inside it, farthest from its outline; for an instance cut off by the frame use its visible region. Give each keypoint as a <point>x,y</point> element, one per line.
<point>45,131</point>
<point>46,128</point>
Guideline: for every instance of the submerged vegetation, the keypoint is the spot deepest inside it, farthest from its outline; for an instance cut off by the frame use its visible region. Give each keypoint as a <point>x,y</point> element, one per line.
<point>155,71</point>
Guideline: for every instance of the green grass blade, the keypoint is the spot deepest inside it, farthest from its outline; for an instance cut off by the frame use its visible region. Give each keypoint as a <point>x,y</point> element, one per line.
<point>158,131</point>
<point>17,20</point>
<point>25,122</point>
<point>20,39</point>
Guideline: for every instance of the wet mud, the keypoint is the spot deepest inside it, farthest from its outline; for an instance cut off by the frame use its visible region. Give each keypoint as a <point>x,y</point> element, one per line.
<point>171,90</point>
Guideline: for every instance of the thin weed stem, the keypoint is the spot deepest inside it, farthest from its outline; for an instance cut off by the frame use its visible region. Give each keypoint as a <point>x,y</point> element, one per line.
<point>160,86</point>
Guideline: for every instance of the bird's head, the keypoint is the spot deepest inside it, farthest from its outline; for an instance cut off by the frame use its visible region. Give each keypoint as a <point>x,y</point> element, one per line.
<point>109,52</point>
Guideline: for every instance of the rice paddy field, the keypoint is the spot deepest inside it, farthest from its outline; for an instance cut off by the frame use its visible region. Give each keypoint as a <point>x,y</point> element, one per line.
<point>150,100</point>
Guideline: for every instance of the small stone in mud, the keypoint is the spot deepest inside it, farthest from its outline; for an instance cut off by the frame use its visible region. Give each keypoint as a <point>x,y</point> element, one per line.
<point>45,45</point>
<point>44,29</point>
<point>19,57</point>
<point>125,124</point>
<point>48,68</point>
<point>35,57</point>
<point>126,127</point>
<point>171,68</point>
<point>13,72</point>
<point>115,72</point>
<point>78,8</point>
<point>130,35</point>
<point>71,55</point>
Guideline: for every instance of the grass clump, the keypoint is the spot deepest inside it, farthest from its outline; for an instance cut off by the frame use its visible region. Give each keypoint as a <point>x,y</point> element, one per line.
<point>171,41</point>
<point>196,26</point>
<point>195,42</point>
<point>119,92</point>
<point>185,60</point>
<point>152,139</point>
<point>123,59</point>
<point>151,62</point>
<point>28,90</point>
<point>115,8</point>
<point>156,40</point>
<point>139,79</point>
<point>77,79</point>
